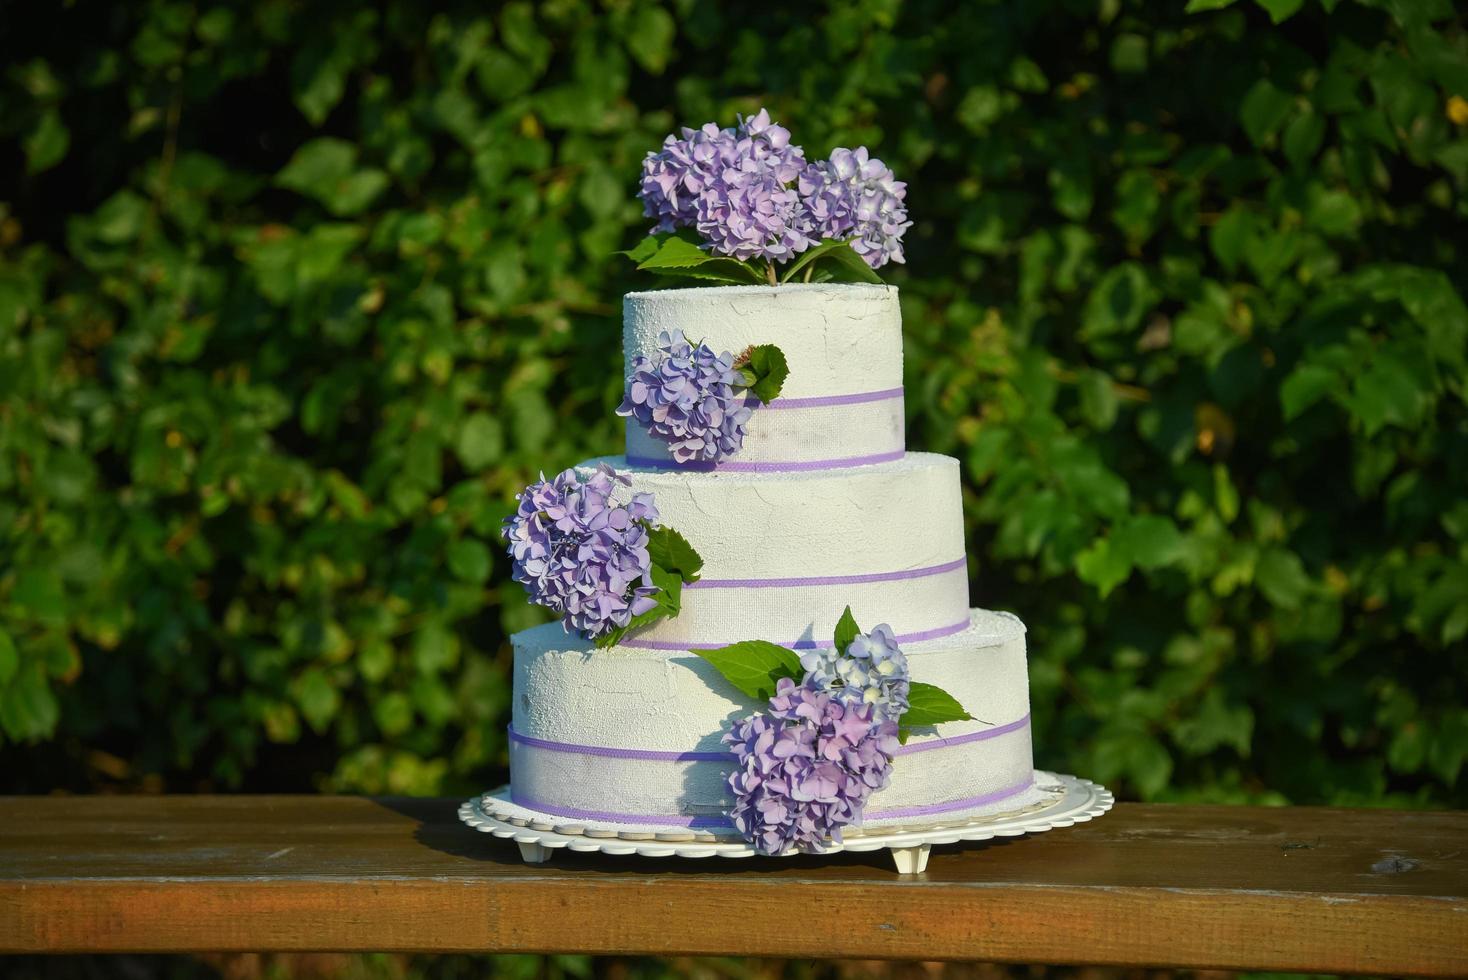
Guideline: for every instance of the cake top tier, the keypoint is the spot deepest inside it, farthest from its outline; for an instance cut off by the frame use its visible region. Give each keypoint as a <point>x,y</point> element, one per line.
<point>838,339</point>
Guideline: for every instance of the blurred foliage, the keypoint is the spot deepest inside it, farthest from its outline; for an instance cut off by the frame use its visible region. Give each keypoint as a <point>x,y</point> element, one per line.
<point>293,295</point>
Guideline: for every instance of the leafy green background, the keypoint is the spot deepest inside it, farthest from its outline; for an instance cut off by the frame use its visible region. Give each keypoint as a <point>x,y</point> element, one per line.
<point>293,296</point>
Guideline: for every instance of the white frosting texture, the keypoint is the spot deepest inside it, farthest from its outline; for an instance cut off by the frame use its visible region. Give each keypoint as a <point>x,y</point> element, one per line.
<point>841,341</point>
<point>785,553</point>
<point>575,697</point>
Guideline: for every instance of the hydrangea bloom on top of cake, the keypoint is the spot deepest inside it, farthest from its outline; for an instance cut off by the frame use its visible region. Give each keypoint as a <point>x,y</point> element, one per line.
<point>806,765</point>
<point>748,196</point>
<point>602,565</point>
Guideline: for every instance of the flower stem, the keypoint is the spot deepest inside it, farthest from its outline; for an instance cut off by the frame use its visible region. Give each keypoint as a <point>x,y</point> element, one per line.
<point>770,273</point>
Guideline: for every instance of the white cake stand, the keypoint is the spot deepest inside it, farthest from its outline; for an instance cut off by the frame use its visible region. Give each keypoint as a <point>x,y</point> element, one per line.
<point>1066,801</point>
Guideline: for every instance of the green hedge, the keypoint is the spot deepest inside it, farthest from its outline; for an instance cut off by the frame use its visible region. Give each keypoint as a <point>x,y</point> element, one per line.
<point>295,295</point>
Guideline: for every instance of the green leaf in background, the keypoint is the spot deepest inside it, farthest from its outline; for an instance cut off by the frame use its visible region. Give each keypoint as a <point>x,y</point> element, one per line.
<point>1281,10</point>
<point>846,630</point>
<point>46,145</point>
<point>470,560</point>
<point>9,658</point>
<point>1183,294</point>
<point>765,370</point>
<point>754,667</point>
<point>928,705</point>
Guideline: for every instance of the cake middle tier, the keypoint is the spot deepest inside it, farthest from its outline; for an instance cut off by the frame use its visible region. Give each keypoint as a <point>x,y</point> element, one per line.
<point>842,402</point>
<point>785,553</point>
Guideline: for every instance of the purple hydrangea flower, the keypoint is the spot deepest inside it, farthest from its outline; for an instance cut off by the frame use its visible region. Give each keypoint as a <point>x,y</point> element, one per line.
<point>871,670</point>
<point>580,553</point>
<point>854,195</point>
<point>737,187</point>
<point>687,398</point>
<point>806,768</point>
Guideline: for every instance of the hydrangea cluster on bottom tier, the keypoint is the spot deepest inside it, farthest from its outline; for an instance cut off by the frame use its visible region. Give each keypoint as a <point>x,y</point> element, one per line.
<point>871,670</point>
<point>580,553</point>
<point>806,767</point>
<point>688,399</point>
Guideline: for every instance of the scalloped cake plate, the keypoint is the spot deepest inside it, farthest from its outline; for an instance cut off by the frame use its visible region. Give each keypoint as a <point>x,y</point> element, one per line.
<point>1065,801</point>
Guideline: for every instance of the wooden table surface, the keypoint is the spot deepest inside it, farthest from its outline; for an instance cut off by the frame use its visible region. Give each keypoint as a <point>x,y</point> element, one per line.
<point>1208,887</point>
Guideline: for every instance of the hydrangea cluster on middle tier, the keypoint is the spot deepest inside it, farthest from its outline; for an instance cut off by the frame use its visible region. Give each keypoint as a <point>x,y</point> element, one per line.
<point>580,553</point>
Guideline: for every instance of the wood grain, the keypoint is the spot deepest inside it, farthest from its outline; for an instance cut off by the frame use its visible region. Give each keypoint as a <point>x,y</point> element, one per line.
<point>1202,887</point>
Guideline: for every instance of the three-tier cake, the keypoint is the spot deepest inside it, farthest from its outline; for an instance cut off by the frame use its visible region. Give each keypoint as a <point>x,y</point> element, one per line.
<point>822,508</point>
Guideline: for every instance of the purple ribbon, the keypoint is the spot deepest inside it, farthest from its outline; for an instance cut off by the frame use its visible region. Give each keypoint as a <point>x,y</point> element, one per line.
<point>917,637</point>
<point>795,583</point>
<point>794,466</point>
<point>658,755</point>
<point>606,816</point>
<point>824,401</point>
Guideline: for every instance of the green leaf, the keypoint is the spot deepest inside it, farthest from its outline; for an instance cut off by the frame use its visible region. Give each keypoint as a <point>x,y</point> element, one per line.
<point>1302,137</point>
<point>669,600</point>
<point>469,559</point>
<point>481,441</point>
<point>645,249</point>
<point>1305,386</point>
<point>435,648</point>
<point>46,145</point>
<point>671,551</point>
<point>766,370</point>
<point>726,271</point>
<point>1281,576</point>
<point>1198,6</point>
<point>811,255</point>
<point>1149,541</point>
<point>675,252</point>
<point>650,38</point>
<point>319,701</point>
<point>1280,10</point>
<point>317,164</point>
<point>846,630</point>
<point>754,666</point>
<point>1103,566</point>
<point>847,266</point>
<point>1263,110</point>
<point>9,659</point>
<point>929,705</point>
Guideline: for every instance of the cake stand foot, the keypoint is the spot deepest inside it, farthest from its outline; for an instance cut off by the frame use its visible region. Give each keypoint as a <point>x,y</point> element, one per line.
<point>533,853</point>
<point>910,860</point>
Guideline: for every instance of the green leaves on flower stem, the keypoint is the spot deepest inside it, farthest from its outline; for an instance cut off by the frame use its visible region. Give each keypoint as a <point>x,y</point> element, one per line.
<point>834,258</point>
<point>679,255</point>
<point>671,551</point>
<point>675,563</point>
<point>755,667</point>
<point>846,630</point>
<point>929,705</point>
<point>669,599</point>
<point>765,371</point>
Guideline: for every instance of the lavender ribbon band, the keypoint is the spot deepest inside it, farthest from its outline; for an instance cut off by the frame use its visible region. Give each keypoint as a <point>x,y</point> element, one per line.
<point>657,755</point>
<point>795,583</point>
<point>793,466</point>
<point>642,820</point>
<point>825,401</point>
<point>918,637</point>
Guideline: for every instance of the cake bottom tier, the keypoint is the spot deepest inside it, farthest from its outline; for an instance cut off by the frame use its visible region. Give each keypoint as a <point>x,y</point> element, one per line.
<point>631,737</point>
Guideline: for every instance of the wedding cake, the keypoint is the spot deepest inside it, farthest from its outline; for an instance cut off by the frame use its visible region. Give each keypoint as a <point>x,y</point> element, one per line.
<point>824,508</point>
<point>710,677</point>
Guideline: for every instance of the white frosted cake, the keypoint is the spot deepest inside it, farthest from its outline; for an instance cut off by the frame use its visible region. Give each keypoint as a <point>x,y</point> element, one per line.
<point>823,508</point>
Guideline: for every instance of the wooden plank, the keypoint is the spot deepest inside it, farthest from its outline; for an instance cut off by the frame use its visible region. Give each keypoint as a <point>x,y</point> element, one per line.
<point>1320,890</point>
